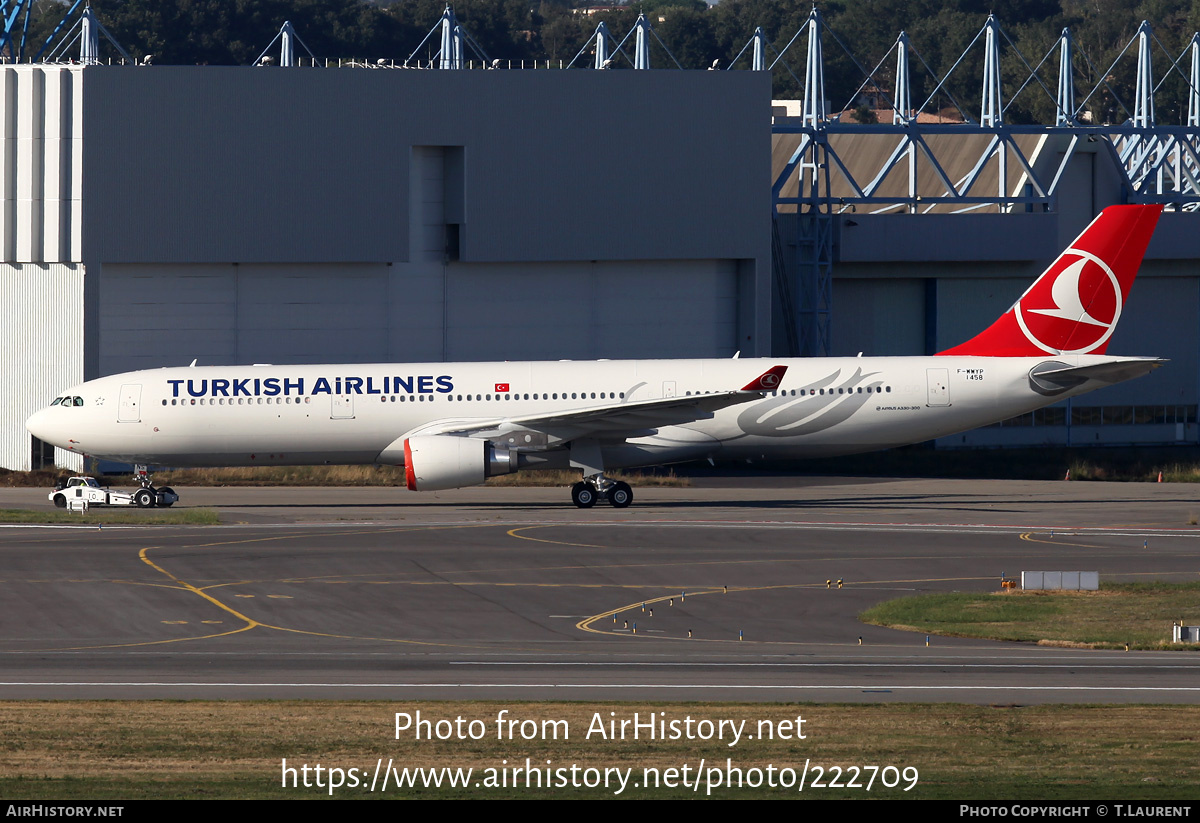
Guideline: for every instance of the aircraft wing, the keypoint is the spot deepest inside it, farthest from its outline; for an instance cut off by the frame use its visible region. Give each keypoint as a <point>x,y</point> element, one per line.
<point>621,419</point>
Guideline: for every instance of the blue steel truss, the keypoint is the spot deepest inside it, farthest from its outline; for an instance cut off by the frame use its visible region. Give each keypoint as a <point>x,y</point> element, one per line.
<point>1158,164</point>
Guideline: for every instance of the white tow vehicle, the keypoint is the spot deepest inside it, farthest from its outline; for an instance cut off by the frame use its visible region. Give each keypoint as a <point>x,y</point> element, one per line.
<point>89,491</point>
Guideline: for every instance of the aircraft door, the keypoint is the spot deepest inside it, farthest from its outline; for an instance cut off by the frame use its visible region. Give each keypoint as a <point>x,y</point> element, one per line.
<point>668,388</point>
<point>130,408</point>
<point>939,387</point>
<point>343,407</point>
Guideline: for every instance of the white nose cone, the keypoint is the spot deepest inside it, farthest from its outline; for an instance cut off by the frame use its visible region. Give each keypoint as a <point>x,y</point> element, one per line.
<point>41,425</point>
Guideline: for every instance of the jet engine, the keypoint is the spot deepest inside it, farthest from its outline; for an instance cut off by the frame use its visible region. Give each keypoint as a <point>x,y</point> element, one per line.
<point>443,461</point>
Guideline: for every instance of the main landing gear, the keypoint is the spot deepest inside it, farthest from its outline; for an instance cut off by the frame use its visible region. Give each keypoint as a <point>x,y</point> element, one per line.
<point>585,493</point>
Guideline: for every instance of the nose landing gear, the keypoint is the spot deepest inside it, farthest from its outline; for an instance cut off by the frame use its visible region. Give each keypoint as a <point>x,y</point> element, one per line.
<point>147,497</point>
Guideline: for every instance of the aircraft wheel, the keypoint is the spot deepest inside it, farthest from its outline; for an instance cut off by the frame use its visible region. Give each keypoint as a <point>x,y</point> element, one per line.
<point>60,501</point>
<point>620,495</point>
<point>583,495</point>
<point>144,498</point>
<point>167,490</point>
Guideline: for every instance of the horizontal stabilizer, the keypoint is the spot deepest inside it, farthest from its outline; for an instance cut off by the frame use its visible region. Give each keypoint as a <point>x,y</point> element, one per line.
<point>1055,378</point>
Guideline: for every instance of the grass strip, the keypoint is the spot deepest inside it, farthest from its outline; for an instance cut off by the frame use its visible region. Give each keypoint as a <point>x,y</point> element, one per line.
<point>115,517</point>
<point>99,750</point>
<point>1139,614</point>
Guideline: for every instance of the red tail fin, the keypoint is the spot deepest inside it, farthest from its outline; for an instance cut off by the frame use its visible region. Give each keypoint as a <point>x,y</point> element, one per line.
<point>1074,306</point>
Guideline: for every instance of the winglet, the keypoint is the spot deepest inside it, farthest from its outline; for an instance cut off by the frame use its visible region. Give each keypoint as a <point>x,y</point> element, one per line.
<point>1074,306</point>
<point>767,381</point>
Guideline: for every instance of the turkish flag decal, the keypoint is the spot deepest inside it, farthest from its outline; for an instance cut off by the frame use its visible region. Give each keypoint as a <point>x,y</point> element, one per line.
<point>501,387</point>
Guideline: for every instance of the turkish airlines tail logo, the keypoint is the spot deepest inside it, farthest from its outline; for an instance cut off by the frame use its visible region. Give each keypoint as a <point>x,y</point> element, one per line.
<point>1053,315</point>
<point>1073,308</point>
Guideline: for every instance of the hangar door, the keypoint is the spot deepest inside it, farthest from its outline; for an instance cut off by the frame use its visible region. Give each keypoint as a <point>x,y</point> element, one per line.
<point>583,311</point>
<point>168,315</point>
<point>154,316</point>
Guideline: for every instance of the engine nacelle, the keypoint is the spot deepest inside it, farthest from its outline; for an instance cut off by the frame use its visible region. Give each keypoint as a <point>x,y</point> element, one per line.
<point>443,461</point>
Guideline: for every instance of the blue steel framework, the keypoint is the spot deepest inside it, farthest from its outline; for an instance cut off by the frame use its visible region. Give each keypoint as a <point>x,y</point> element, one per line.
<point>1158,164</point>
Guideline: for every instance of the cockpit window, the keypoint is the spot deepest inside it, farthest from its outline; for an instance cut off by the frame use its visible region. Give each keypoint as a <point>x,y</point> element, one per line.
<point>57,400</point>
<point>77,401</point>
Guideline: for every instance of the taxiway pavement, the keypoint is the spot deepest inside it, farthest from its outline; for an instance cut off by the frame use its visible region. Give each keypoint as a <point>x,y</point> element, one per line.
<point>514,594</point>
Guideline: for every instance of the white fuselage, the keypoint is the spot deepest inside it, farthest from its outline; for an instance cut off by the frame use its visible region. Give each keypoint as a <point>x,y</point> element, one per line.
<point>295,415</point>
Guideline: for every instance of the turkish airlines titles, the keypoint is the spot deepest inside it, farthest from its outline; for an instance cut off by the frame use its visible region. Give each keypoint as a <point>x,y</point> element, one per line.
<point>295,386</point>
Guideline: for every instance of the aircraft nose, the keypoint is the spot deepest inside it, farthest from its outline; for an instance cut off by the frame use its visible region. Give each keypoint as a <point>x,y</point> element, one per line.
<point>41,425</point>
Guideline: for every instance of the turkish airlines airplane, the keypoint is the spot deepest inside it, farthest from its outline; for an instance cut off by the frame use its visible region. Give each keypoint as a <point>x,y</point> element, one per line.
<point>456,424</point>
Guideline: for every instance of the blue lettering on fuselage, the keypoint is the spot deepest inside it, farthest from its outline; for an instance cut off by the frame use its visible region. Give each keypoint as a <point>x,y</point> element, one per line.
<point>274,386</point>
